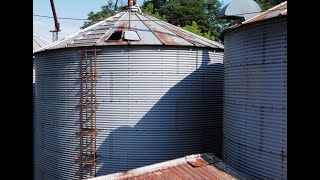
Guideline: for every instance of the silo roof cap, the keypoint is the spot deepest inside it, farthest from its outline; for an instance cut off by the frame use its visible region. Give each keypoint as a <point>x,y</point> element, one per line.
<point>279,10</point>
<point>239,9</point>
<point>132,28</point>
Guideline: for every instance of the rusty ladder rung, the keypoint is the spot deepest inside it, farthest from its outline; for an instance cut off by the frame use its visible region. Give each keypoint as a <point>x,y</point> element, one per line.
<point>87,104</point>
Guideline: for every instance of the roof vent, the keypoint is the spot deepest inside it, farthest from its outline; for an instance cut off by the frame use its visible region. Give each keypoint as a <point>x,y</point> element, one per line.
<point>240,9</point>
<point>133,6</point>
<point>131,35</point>
<point>115,36</point>
<point>132,2</point>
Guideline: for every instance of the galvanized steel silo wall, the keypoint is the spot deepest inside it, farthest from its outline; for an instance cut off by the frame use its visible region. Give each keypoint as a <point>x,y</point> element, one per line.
<point>255,99</point>
<point>156,103</point>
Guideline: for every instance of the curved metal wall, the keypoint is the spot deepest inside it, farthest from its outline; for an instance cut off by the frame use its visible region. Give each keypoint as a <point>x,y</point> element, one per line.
<point>156,103</point>
<point>255,100</point>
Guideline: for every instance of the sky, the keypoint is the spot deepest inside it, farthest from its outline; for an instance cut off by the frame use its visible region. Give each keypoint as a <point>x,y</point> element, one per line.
<point>67,8</point>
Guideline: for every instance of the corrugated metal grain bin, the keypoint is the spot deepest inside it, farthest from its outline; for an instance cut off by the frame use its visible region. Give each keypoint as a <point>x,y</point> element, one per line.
<point>158,93</point>
<point>38,42</point>
<point>255,95</point>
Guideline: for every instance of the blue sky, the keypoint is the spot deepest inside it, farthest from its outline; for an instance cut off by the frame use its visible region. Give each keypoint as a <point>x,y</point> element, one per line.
<point>67,8</point>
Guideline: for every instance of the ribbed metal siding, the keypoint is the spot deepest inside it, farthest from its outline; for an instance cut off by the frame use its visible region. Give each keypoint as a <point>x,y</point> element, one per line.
<point>255,100</point>
<point>156,104</point>
<point>33,123</point>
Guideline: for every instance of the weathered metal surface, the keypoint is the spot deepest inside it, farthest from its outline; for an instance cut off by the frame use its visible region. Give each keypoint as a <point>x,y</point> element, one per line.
<point>197,160</point>
<point>236,9</point>
<point>39,42</point>
<point>279,10</point>
<point>151,31</point>
<point>131,35</point>
<point>155,103</point>
<point>87,32</point>
<point>255,99</point>
<point>201,39</point>
<point>180,169</point>
<point>166,36</point>
<point>122,26</point>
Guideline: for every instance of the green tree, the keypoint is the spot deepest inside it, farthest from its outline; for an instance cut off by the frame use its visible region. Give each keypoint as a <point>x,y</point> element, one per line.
<point>156,4</point>
<point>183,12</point>
<point>194,28</point>
<point>149,10</point>
<point>267,4</point>
<point>106,11</point>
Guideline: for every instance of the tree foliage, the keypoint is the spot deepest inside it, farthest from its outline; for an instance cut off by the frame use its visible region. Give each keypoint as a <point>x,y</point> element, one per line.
<point>149,10</point>
<point>106,11</point>
<point>267,4</point>
<point>183,12</point>
<point>194,28</point>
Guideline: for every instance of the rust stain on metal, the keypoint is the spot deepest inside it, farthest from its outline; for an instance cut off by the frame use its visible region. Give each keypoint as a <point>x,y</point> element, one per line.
<point>132,2</point>
<point>166,38</point>
<point>198,166</point>
<point>117,43</point>
<point>270,13</point>
<point>219,173</point>
<point>198,162</point>
<point>121,27</point>
<point>104,40</point>
<point>186,36</point>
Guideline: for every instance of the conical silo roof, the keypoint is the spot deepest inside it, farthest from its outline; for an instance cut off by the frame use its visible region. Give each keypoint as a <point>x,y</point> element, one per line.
<point>39,42</point>
<point>132,28</point>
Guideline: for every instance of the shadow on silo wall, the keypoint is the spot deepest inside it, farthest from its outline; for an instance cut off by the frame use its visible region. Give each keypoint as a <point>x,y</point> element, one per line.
<point>128,145</point>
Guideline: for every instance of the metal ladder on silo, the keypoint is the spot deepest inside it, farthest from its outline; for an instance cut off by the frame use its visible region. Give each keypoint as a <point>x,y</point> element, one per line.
<point>86,156</point>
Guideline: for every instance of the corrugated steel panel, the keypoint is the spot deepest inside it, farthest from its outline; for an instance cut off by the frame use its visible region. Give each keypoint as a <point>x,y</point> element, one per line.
<point>150,30</point>
<point>156,103</point>
<point>255,100</point>
<point>38,42</point>
<point>197,166</point>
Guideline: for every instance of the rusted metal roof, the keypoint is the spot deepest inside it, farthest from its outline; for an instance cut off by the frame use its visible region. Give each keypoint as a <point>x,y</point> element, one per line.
<point>39,42</point>
<point>197,166</point>
<point>149,31</point>
<point>278,10</point>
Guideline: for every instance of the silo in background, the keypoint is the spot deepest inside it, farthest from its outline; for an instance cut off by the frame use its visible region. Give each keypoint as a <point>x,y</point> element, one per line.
<point>255,95</point>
